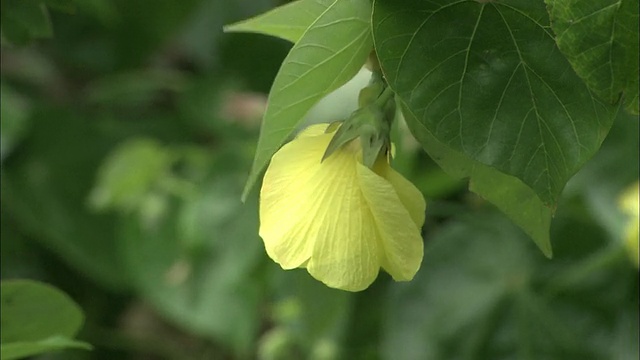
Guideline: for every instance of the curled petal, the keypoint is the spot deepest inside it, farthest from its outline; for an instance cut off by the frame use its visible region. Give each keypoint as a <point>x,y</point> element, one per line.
<point>409,195</point>
<point>399,234</point>
<point>346,250</point>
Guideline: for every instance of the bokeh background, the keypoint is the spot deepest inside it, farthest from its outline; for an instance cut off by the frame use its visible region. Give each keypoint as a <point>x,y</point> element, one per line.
<point>126,140</point>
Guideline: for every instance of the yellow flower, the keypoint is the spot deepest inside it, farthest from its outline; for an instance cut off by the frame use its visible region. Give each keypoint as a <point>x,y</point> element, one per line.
<point>337,218</point>
<point>629,205</point>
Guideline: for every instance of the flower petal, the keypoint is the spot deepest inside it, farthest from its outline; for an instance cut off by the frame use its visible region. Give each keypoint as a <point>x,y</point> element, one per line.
<point>313,214</point>
<point>287,203</point>
<point>409,195</point>
<point>346,253</point>
<point>400,236</point>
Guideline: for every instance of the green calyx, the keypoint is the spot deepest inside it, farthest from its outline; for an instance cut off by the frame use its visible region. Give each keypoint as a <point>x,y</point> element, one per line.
<point>371,123</point>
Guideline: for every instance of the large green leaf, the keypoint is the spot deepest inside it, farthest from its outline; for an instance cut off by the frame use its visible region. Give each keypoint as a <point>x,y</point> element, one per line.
<point>37,318</point>
<point>327,55</point>
<point>600,39</point>
<point>288,21</point>
<point>508,193</point>
<point>487,80</point>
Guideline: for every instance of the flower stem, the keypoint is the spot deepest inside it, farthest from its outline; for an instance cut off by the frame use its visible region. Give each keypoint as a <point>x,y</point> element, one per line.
<point>384,98</point>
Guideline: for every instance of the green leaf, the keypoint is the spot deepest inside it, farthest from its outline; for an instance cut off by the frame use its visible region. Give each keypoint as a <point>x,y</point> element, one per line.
<point>18,350</point>
<point>37,318</point>
<point>288,21</point>
<point>510,195</point>
<point>328,54</point>
<point>600,39</point>
<point>487,80</point>
<point>24,20</point>
<point>129,174</point>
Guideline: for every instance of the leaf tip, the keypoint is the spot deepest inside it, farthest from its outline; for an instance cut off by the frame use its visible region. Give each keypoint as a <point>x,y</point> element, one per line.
<point>248,186</point>
<point>245,193</point>
<point>229,28</point>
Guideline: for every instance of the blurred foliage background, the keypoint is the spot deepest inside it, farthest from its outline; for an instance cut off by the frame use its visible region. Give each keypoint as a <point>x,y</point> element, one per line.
<point>128,128</point>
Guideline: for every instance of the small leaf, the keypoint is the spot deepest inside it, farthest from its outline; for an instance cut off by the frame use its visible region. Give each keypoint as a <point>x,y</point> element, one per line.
<point>288,22</point>
<point>600,39</point>
<point>129,174</point>
<point>510,195</point>
<point>328,54</point>
<point>33,311</point>
<point>22,349</point>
